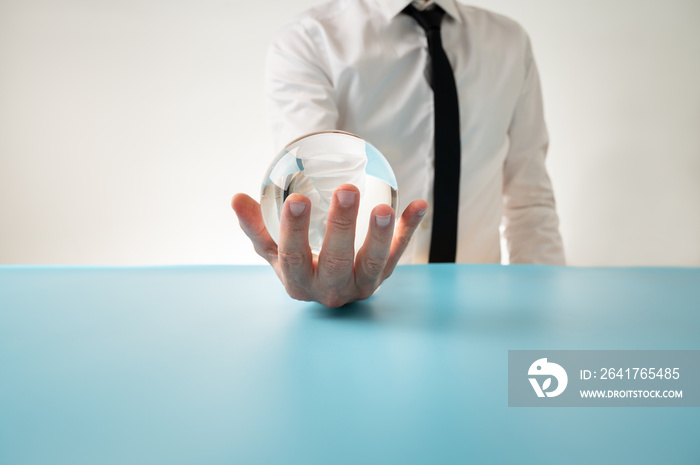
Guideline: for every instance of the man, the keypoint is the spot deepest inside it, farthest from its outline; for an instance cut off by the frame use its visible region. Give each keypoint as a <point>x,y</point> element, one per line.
<point>379,69</point>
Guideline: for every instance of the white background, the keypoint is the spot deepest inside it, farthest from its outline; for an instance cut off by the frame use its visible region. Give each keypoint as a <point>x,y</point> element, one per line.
<point>126,126</point>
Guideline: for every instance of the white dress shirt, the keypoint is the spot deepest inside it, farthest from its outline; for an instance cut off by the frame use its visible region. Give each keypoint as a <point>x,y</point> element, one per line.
<point>362,66</point>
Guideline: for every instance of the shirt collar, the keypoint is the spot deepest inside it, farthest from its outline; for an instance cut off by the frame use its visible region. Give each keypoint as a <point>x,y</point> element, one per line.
<point>391,8</point>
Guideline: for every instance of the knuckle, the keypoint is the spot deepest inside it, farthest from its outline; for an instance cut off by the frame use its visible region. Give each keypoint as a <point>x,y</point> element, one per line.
<point>404,240</point>
<point>336,264</point>
<point>296,293</point>
<point>339,223</point>
<point>384,236</point>
<point>366,293</point>
<point>265,251</point>
<point>374,266</point>
<point>292,259</point>
<point>294,227</point>
<point>253,234</point>
<point>333,300</point>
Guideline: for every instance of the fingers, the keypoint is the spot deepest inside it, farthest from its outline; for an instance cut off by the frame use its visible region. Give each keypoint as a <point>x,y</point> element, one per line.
<point>251,221</point>
<point>374,254</point>
<point>294,253</point>
<point>337,257</point>
<point>408,223</point>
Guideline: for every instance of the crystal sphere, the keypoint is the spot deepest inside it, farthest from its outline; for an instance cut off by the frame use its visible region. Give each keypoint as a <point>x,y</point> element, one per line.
<point>314,166</point>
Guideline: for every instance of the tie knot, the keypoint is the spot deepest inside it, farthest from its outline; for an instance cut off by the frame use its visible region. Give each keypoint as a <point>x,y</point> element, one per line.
<point>428,19</point>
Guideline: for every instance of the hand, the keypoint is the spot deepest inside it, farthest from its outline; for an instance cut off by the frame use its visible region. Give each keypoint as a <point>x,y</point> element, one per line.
<point>337,277</point>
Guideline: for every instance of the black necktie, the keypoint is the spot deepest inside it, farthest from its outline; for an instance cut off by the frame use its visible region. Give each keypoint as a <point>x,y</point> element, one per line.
<point>443,241</point>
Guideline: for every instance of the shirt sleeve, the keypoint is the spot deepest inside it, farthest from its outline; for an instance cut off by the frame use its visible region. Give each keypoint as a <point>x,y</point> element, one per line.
<point>531,224</point>
<point>298,86</point>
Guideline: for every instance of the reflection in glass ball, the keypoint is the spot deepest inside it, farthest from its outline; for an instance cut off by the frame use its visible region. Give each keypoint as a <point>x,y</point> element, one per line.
<point>314,166</point>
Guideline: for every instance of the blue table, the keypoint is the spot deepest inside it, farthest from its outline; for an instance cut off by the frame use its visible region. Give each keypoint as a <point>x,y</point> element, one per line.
<point>216,365</point>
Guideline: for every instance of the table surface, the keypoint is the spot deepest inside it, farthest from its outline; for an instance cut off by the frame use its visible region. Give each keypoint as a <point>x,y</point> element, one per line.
<point>216,365</point>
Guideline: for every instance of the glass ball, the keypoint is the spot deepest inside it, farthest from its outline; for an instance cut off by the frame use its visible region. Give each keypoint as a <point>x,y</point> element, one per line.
<point>314,166</point>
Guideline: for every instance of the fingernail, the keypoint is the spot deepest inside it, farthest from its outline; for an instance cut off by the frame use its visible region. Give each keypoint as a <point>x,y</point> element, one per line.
<point>297,208</point>
<point>346,198</point>
<point>383,221</point>
<point>421,212</point>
